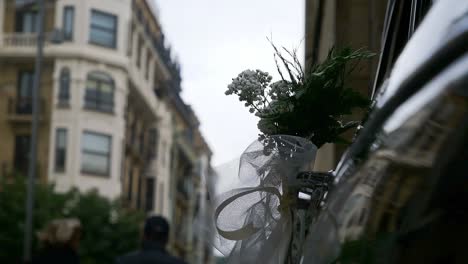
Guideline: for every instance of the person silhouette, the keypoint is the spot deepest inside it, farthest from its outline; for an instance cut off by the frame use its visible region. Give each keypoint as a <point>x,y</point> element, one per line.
<point>153,250</point>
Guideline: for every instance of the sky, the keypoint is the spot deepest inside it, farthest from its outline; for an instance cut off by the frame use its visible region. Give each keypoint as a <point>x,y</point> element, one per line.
<point>215,40</point>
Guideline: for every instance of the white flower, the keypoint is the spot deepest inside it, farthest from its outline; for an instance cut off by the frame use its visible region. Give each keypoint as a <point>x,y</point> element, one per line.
<point>250,86</point>
<point>280,90</point>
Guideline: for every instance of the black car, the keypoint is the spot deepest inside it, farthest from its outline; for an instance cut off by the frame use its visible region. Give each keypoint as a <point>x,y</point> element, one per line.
<point>401,190</point>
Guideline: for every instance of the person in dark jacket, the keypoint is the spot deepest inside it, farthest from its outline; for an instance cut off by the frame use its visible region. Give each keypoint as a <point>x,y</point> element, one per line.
<point>153,250</point>
<point>60,241</point>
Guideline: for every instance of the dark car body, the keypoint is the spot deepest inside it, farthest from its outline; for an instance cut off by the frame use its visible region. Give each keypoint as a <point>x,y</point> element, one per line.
<point>401,189</point>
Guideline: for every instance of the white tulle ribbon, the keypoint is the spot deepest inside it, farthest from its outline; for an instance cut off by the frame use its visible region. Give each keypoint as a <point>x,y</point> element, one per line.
<point>254,223</point>
<point>249,229</point>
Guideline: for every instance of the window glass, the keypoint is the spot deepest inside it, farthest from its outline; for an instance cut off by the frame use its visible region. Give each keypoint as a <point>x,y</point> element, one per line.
<point>133,131</point>
<point>91,84</point>
<point>142,140</point>
<point>22,3</point>
<point>103,29</point>
<point>95,153</point>
<point>96,143</point>
<point>22,151</point>
<point>106,87</point>
<point>130,184</point>
<point>68,21</point>
<point>148,63</point>
<point>96,164</point>
<point>26,21</point>
<point>161,197</point>
<point>139,194</point>
<point>139,50</point>
<point>99,92</point>
<point>26,16</point>
<point>103,38</point>
<point>153,142</point>
<point>103,20</point>
<point>150,194</point>
<point>29,22</point>
<point>60,149</point>
<point>61,138</point>
<point>26,83</point>
<point>163,155</point>
<point>402,19</point>
<point>64,89</point>
<point>24,93</point>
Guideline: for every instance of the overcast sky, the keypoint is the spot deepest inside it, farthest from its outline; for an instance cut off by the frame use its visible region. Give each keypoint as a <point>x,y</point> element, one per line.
<point>217,39</point>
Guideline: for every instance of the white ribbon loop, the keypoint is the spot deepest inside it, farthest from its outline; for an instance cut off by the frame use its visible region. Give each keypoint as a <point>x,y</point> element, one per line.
<point>254,223</point>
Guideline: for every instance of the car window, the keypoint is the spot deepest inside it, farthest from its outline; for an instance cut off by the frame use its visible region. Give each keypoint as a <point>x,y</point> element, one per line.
<point>402,19</point>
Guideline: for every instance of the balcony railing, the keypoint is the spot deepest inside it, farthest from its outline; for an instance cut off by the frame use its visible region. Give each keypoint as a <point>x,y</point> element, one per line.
<point>163,50</point>
<point>21,108</point>
<point>23,39</point>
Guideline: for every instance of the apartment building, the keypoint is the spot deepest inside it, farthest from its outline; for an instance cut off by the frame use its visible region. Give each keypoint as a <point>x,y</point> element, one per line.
<point>83,91</point>
<point>111,117</point>
<point>352,23</point>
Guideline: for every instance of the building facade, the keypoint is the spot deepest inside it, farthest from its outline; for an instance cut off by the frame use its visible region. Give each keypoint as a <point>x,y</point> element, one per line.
<point>352,23</point>
<point>111,117</point>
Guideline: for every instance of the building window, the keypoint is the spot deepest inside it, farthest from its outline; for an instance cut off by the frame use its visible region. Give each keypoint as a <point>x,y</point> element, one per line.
<point>99,92</point>
<point>141,141</point>
<point>133,130</point>
<point>153,142</point>
<point>139,50</point>
<point>161,197</point>
<point>26,20</point>
<point>64,86</point>
<point>139,193</point>
<point>163,154</point>
<point>22,149</point>
<point>189,134</point>
<point>24,93</point>
<point>130,39</point>
<point>96,153</point>
<point>150,186</point>
<point>68,22</point>
<point>148,63</point>
<point>60,149</point>
<point>130,184</point>
<point>103,29</point>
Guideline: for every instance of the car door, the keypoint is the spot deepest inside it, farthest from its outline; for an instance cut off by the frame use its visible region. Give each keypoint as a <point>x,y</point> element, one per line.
<point>416,132</point>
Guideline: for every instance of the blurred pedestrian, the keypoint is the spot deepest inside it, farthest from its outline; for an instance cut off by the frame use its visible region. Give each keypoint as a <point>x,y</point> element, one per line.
<point>155,237</point>
<point>60,241</point>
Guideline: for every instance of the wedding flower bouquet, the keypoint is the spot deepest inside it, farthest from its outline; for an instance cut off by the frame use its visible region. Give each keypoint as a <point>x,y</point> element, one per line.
<point>264,220</point>
<point>310,103</point>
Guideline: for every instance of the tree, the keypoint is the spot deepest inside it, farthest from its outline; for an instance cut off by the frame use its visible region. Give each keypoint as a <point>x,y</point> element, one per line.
<point>109,229</point>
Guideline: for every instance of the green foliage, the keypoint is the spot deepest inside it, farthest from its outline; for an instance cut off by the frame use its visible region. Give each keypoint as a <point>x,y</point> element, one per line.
<point>109,230</point>
<point>310,104</point>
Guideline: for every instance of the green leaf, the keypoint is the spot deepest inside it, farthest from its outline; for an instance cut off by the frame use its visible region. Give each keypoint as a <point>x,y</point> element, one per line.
<point>102,241</point>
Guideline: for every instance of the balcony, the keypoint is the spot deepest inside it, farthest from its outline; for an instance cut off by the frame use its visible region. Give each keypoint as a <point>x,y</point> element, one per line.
<point>23,44</point>
<point>20,109</point>
<point>23,39</point>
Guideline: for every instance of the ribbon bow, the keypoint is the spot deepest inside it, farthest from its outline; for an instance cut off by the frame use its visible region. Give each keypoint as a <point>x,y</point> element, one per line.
<point>253,223</point>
